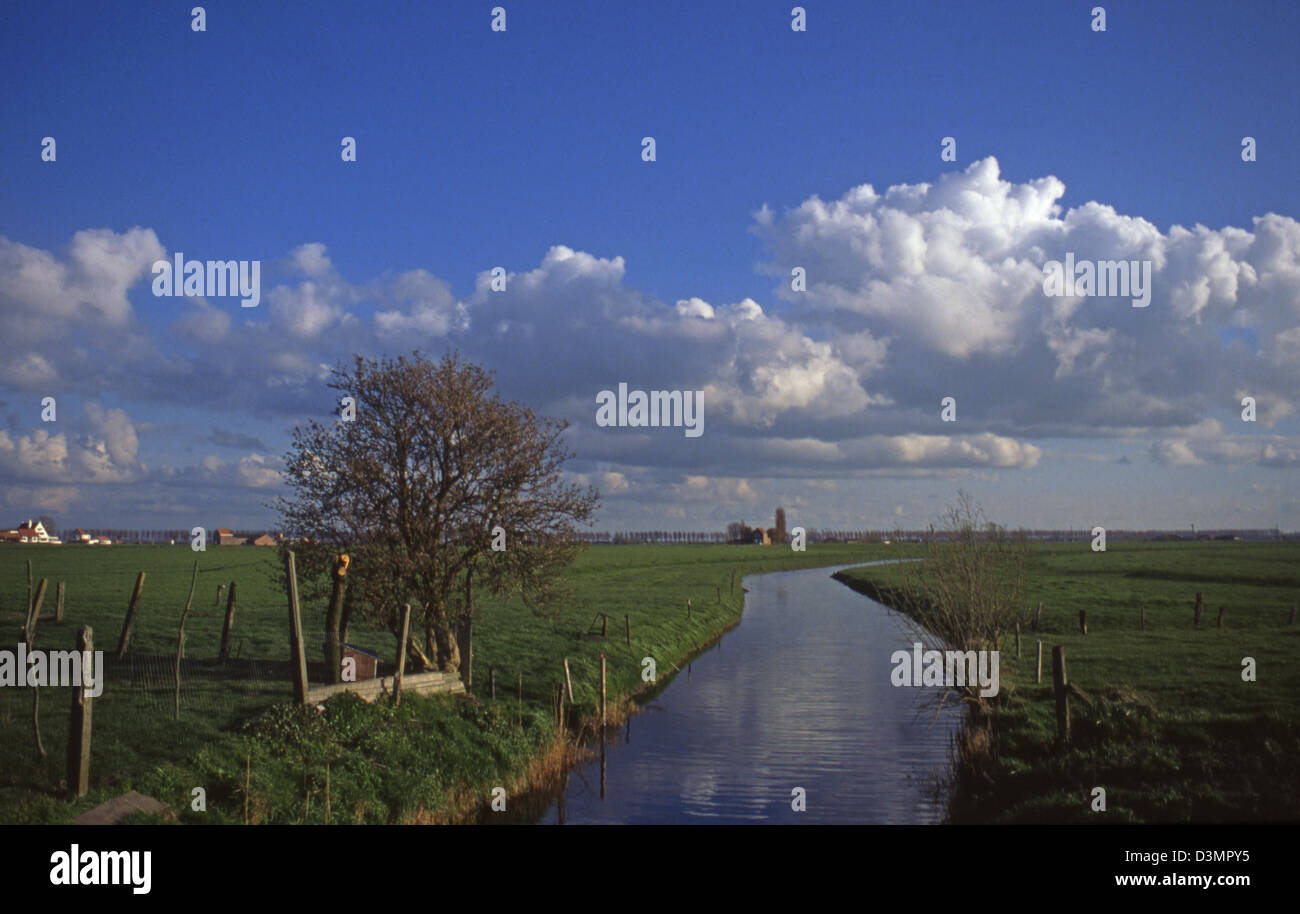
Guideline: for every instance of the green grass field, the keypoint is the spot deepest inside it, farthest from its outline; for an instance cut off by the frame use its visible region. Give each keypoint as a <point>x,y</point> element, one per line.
<point>386,765</point>
<point>1174,733</point>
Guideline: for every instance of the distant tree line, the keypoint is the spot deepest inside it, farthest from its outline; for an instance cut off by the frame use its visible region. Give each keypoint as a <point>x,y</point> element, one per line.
<point>130,537</point>
<point>741,533</point>
<point>735,533</point>
<point>622,538</point>
<point>151,537</point>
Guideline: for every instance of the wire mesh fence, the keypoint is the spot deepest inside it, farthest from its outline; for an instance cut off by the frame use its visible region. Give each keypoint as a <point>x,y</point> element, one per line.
<point>209,687</point>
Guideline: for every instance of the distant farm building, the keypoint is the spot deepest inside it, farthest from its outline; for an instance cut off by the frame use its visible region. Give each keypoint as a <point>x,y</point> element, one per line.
<point>28,532</point>
<point>226,538</point>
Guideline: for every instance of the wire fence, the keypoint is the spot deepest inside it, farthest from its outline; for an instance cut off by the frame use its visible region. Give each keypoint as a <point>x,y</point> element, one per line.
<point>209,687</point>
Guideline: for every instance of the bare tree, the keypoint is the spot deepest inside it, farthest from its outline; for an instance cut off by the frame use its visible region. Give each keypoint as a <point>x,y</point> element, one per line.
<point>433,471</point>
<point>969,588</point>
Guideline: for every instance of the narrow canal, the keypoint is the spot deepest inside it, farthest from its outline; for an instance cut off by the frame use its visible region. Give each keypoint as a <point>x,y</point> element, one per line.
<point>797,696</point>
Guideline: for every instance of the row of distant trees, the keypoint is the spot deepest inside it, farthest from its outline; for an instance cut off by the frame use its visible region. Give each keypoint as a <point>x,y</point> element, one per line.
<point>147,537</point>
<point>735,533</point>
<point>655,536</point>
<point>144,537</point>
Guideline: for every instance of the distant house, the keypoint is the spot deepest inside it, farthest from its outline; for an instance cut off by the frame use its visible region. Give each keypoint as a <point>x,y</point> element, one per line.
<point>761,538</point>
<point>81,536</point>
<point>226,538</point>
<point>31,532</point>
<point>264,540</point>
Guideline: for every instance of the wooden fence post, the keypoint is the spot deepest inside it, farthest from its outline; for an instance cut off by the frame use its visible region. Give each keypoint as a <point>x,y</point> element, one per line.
<point>58,603</point>
<point>180,643</point>
<point>401,653</point>
<point>688,610</point>
<point>733,582</point>
<point>1038,617</point>
<point>1017,639</point>
<point>719,589</point>
<point>1200,605</point>
<point>603,716</point>
<point>1060,685</point>
<point>1083,621</point>
<point>1222,610</point>
<point>568,680</point>
<point>29,635</point>
<point>228,627</point>
<point>492,682</point>
<point>220,590</point>
<point>34,608</point>
<point>79,723</point>
<point>129,622</point>
<point>604,626</point>
<point>297,656</point>
<point>1038,675</point>
<point>628,621</point>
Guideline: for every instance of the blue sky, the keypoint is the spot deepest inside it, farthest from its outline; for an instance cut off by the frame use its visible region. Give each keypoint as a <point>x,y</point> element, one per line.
<point>478,149</point>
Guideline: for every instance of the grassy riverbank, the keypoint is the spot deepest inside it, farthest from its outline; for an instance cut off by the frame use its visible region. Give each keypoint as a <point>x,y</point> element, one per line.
<point>1172,733</point>
<point>433,759</point>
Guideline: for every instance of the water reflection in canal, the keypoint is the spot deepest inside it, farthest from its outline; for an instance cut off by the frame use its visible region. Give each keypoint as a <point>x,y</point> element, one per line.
<point>798,695</point>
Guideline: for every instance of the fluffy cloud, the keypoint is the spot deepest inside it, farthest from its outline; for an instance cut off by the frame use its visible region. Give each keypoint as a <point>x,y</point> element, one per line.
<point>254,471</point>
<point>1209,443</point>
<point>607,483</point>
<point>572,322</point>
<point>39,291</point>
<point>949,277</point>
<point>425,308</point>
<point>105,453</point>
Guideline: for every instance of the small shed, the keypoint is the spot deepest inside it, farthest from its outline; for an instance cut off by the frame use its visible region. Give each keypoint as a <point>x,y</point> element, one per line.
<point>367,662</point>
